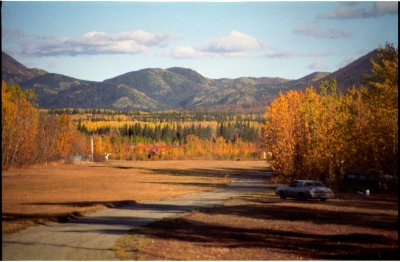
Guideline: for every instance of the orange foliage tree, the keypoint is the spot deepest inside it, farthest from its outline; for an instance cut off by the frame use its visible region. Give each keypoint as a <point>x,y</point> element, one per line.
<point>324,135</point>
<point>29,136</point>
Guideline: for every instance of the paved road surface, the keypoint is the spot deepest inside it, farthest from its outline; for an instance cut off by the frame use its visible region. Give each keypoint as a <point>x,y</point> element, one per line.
<point>91,237</point>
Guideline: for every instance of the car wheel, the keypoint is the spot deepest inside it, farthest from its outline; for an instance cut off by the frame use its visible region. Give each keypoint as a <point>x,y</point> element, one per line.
<point>282,195</point>
<point>323,199</point>
<point>302,196</point>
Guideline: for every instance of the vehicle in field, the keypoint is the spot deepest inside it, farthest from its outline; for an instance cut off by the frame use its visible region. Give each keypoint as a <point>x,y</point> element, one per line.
<point>304,189</point>
<point>354,182</point>
<point>154,149</point>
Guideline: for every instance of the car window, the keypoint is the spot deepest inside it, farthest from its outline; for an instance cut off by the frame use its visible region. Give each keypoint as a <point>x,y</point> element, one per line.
<point>294,184</point>
<point>317,184</point>
<point>308,184</point>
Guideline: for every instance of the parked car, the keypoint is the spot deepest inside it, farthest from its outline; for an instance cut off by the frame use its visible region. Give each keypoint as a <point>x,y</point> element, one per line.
<point>354,182</point>
<point>304,189</point>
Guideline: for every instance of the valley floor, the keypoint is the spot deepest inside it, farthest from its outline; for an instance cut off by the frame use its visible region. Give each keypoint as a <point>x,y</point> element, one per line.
<point>58,192</point>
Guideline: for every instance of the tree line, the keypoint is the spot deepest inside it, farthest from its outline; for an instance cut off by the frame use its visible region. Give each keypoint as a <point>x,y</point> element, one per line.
<point>175,132</point>
<point>33,136</point>
<point>30,136</point>
<point>324,135</point>
<point>163,116</point>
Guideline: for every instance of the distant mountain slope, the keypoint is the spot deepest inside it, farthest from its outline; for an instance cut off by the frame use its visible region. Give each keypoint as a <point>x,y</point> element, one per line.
<point>175,87</point>
<point>351,74</point>
<point>190,75</point>
<point>170,87</point>
<point>306,80</point>
<point>14,72</point>
<point>58,91</point>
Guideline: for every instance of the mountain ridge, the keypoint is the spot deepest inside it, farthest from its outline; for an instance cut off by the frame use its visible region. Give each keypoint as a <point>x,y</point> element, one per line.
<point>15,71</point>
<point>349,75</point>
<point>170,88</point>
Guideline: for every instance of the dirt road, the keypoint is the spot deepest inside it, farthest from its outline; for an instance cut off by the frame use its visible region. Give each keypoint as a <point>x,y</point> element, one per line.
<point>93,236</point>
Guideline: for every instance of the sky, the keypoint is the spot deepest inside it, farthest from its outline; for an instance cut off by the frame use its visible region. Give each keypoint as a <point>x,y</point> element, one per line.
<point>100,40</point>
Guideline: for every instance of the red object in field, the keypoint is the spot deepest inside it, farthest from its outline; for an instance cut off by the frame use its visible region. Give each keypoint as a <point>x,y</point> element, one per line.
<point>154,149</point>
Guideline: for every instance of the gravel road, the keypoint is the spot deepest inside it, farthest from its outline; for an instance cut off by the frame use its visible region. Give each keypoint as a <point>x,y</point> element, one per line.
<point>92,237</point>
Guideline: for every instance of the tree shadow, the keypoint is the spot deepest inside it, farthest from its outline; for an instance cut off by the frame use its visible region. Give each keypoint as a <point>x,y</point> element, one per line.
<point>41,218</point>
<point>353,246</point>
<point>269,211</point>
<point>201,172</point>
<point>352,201</point>
<point>130,220</point>
<point>110,204</point>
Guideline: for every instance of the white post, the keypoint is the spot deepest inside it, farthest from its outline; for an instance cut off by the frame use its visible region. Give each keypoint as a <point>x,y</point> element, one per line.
<point>100,147</point>
<point>91,147</point>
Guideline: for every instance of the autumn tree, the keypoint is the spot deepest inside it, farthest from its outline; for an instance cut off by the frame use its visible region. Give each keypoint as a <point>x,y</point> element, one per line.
<point>29,136</point>
<point>19,126</point>
<point>382,100</point>
<point>325,135</point>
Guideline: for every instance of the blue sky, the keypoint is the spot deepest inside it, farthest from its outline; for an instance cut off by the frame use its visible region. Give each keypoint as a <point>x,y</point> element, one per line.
<point>100,40</point>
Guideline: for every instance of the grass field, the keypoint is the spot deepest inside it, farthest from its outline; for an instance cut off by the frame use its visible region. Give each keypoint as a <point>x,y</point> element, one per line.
<point>264,227</point>
<point>58,191</point>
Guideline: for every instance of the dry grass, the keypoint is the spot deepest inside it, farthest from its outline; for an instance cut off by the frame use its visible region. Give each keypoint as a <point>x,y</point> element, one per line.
<point>59,191</point>
<point>264,227</point>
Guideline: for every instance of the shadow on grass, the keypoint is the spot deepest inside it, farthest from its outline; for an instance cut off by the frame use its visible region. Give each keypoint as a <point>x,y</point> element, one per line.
<point>341,246</point>
<point>349,246</point>
<point>40,218</point>
<point>78,218</point>
<point>63,217</point>
<point>383,201</point>
<point>292,213</point>
<point>200,172</point>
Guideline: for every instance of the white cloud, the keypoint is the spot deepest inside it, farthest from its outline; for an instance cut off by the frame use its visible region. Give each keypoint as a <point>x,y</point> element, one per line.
<point>234,45</point>
<point>187,52</point>
<point>318,32</point>
<point>234,42</point>
<point>346,11</point>
<point>95,42</point>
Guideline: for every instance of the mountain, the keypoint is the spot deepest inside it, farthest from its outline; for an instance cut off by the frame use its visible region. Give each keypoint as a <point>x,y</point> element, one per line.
<point>59,91</point>
<point>14,72</point>
<point>171,88</point>
<point>352,74</point>
<point>303,82</point>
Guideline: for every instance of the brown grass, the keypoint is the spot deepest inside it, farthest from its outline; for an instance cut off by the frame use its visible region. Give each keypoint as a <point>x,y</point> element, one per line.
<point>60,191</point>
<point>264,227</point>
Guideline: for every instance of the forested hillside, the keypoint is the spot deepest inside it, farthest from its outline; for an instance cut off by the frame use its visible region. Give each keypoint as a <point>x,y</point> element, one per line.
<point>159,89</point>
